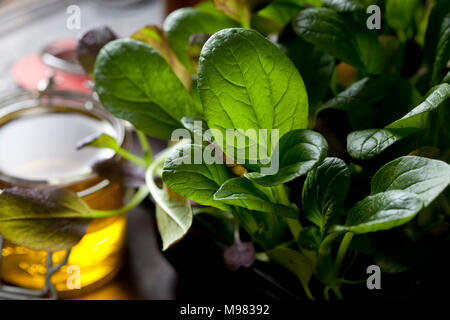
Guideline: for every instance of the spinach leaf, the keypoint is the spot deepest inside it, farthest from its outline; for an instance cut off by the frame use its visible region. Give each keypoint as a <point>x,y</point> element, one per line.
<point>400,16</point>
<point>400,189</point>
<point>382,211</point>
<point>360,95</point>
<point>442,51</point>
<point>243,193</point>
<point>424,177</point>
<point>103,140</point>
<point>173,217</point>
<point>192,124</point>
<point>366,144</point>
<point>247,83</point>
<point>324,192</point>
<point>43,219</point>
<point>173,212</point>
<point>310,238</point>
<point>298,152</point>
<point>345,5</point>
<point>155,38</point>
<point>447,78</point>
<point>315,66</point>
<point>181,24</point>
<point>239,10</point>
<point>342,38</point>
<point>437,15</point>
<point>266,229</point>
<point>275,16</point>
<point>135,83</point>
<point>369,49</point>
<point>195,181</point>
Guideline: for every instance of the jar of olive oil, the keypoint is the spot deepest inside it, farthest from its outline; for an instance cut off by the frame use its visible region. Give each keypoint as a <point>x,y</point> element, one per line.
<point>39,133</point>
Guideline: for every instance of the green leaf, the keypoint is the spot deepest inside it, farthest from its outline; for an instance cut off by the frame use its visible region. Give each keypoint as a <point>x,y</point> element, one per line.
<point>105,141</point>
<point>275,16</point>
<point>195,124</point>
<point>369,49</point>
<point>342,38</point>
<point>298,152</point>
<point>239,10</point>
<point>447,78</point>
<point>361,93</point>
<point>266,229</point>
<point>382,211</point>
<point>135,83</point>
<point>43,219</point>
<point>247,83</point>
<point>345,5</point>
<point>442,51</point>
<point>98,141</point>
<point>173,212</point>
<point>400,16</point>
<point>297,263</point>
<point>155,38</point>
<point>181,24</point>
<point>437,15</point>
<point>310,238</point>
<point>424,177</point>
<point>324,192</point>
<point>366,144</point>
<point>315,66</point>
<point>195,181</point>
<point>243,193</point>
<point>173,217</point>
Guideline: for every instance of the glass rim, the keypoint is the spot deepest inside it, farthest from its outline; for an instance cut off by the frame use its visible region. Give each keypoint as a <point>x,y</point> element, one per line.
<point>53,61</point>
<point>18,100</point>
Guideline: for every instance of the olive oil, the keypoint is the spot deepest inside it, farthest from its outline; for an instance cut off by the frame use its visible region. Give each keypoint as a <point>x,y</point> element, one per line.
<point>38,149</point>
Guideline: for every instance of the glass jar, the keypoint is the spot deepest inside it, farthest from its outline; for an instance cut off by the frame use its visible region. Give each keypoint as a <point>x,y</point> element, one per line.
<point>39,130</point>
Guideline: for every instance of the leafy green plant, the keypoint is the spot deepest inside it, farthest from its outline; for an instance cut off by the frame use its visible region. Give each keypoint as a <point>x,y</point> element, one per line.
<point>326,190</point>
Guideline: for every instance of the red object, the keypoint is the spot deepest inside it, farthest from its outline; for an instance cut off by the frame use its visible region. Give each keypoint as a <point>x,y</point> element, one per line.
<point>29,71</point>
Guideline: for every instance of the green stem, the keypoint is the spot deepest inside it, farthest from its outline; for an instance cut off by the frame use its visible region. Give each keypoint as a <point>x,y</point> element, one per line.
<point>294,225</point>
<point>138,197</point>
<point>154,189</point>
<point>351,281</point>
<point>307,291</point>
<point>131,157</point>
<point>337,292</point>
<point>326,293</point>
<point>145,145</point>
<point>237,236</point>
<point>341,252</point>
<point>325,246</point>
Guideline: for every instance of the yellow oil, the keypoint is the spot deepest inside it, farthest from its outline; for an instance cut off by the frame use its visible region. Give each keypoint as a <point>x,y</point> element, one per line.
<point>98,256</point>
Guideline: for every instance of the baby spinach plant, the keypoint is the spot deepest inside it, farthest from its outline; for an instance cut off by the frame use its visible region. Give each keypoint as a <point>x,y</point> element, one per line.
<point>366,170</point>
